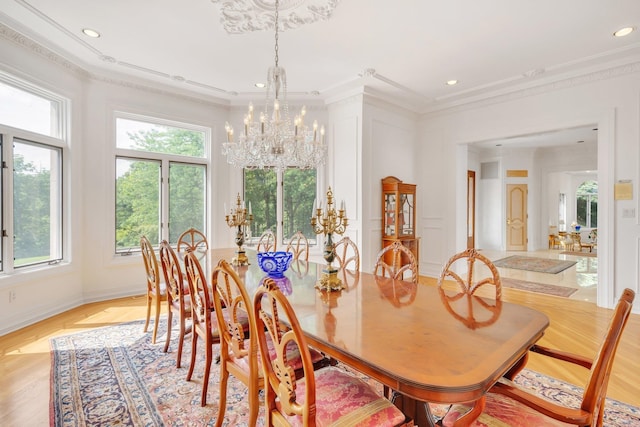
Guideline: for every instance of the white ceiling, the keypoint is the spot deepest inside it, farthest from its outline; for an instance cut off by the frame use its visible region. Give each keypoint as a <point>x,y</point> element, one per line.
<point>412,46</point>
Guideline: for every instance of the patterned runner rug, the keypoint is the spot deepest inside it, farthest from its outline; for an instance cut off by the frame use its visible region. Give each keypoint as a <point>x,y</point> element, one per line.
<point>543,288</point>
<point>541,265</point>
<point>114,376</point>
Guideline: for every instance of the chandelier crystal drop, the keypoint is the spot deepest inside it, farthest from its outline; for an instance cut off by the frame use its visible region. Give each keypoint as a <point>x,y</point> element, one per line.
<point>271,139</point>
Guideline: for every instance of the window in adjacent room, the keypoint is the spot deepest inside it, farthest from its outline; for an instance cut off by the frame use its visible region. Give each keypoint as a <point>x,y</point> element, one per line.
<point>161,180</point>
<point>587,204</point>
<point>280,202</point>
<point>32,137</point>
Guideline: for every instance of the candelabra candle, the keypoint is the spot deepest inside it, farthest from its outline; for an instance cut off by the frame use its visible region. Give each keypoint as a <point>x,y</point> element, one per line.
<point>327,222</point>
<point>241,218</point>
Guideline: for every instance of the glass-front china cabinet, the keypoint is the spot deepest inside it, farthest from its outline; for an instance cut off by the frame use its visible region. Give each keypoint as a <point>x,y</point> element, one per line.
<point>399,214</point>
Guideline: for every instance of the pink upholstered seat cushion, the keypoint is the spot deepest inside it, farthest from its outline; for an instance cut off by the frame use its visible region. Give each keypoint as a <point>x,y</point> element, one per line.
<point>293,355</point>
<point>503,411</point>
<point>187,305</point>
<point>345,399</point>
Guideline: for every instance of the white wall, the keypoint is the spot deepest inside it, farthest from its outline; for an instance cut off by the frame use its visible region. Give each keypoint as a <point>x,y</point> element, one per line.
<point>609,99</point>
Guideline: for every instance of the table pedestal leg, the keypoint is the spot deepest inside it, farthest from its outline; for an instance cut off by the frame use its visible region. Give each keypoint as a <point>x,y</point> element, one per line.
<point>419,411</point>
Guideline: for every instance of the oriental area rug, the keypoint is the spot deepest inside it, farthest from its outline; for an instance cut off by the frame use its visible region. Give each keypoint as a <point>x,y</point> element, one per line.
<point>540,265</point>
<point>114,376</point>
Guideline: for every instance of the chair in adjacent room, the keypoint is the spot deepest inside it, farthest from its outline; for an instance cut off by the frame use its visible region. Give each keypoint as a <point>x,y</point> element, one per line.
<point>203,318</point>
<point>267,242</point>
<point>554,238</point>
<point>327,396</point>
<point>191,240</point>
<point>510,404</point>
<point>178,299</point>
<point>156,290</point>
<point>347,254</point>
<point>396,261</point>
<point>299,246</point>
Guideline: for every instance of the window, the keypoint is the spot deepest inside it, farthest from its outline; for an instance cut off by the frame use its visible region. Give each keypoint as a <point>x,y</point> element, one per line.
<point>30,134</point>
<point>587,204</point>
<point>284,212</point>
<point>161,180</point>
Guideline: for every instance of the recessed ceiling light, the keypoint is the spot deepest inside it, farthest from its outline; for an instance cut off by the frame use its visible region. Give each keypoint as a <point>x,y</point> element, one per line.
<point>260,85</point>
<point>452,82</point>
<point>624,31</point>
<point>90,33</point>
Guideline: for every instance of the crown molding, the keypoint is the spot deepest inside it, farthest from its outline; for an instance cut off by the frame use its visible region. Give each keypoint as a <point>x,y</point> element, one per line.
<point>26,43</point>
<point>551,84</point>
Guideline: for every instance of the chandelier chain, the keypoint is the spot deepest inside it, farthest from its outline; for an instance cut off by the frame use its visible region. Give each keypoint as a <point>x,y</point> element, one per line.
<point>276,24</point>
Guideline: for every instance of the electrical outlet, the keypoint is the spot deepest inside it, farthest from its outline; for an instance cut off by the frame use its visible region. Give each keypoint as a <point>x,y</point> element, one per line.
<point>12,296</point>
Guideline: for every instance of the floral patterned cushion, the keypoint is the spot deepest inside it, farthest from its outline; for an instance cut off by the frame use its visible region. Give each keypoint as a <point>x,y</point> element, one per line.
<point>343,399</point>
<point>502,411</point>
<point>187,305</point>
<point>293,355</point>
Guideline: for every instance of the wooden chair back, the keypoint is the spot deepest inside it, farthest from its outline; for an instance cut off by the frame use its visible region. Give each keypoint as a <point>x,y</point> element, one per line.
<point>299,246</point>
<point>191,240</point>
<point>271,310</point>
<point>396,261</point>
<point>326,396</point>
<point>156,291</point>
<point>267,242</point>
<point>595,391</point>
<point>467,282</point>
<point>203,325</point>
<point>347,253</point>
<point>238,343</point>
<point>591,410</point>
<point>150,265</point>
<point>177,292</point>
<point>173,277</point>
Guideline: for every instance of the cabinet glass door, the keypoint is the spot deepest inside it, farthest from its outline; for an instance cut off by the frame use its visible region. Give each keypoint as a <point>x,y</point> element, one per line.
<point>389,214</point>
<point>405,215</point>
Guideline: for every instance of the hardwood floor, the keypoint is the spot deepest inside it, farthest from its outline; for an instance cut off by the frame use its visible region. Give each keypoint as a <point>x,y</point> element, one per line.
<point>576,326</point>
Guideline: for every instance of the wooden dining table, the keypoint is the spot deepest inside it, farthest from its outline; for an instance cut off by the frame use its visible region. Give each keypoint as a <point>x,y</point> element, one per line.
<point>425,343</point>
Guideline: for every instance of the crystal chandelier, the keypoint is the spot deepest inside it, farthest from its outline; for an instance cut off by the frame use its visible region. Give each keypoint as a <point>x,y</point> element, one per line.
<point>272,140</point>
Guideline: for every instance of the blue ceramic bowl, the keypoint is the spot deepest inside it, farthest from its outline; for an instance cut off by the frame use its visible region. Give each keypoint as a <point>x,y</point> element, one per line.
<point>274,263</point>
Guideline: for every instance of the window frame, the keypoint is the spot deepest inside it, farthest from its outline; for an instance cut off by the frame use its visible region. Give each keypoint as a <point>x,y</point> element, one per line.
<point>589,200</point>
<point>165,161</point>
<point>315,242</point>
<point>60,112</point>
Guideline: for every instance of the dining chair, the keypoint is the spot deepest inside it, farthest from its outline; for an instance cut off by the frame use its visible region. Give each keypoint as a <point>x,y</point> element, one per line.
<point>396,261</point>
<point>156,289</point>
<point>464,276</point>
<point>178,299</point>
<point>327,396</point>
<point>239,353</point>
<point>238,345</point>
<point>510,404</point>
<point>299,246</point>
<point>192,239</point>
<point>267,242</point>
<point>203,318</point>
<point>347,253</point>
